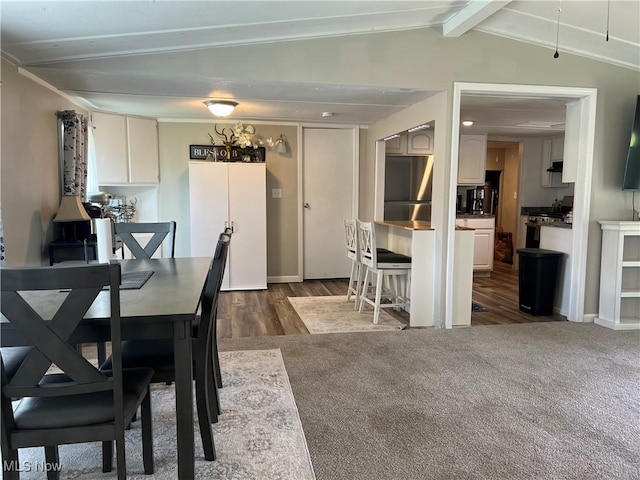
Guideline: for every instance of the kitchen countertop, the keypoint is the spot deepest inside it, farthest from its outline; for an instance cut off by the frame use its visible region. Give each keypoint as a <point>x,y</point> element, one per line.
<point>474,215</point>
<point>555,225</point>
<point>407,224</point>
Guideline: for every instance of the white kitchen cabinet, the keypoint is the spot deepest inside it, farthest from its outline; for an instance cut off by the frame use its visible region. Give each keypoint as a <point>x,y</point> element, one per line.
<point>560,239</point>
<point>472,159</point>
<point>522,239</point>
<point>396,145</point>
<point>126,149</point>
<point>483,244</point>
<point>419,142</point>
<point>549,146</point>
<point>557,148</point>
<point>619,306</point>
<point>232,194</point>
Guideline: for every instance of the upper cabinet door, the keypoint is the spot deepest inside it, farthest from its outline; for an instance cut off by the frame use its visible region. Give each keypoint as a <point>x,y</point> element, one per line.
<point>396,146</point>
<point>110,138</point>
<point>420,142</point>
<point>143,150</point>
<point>557,148</point>
<point>472,159</point>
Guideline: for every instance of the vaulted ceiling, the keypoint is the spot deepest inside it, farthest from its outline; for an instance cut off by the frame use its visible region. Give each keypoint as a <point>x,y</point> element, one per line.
<point>69,44</point>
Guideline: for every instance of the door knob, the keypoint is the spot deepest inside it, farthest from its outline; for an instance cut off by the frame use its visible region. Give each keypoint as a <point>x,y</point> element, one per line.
<point>306,205</point>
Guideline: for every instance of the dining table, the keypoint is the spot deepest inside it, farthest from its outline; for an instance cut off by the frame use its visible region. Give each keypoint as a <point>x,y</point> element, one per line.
<point>164,307</point>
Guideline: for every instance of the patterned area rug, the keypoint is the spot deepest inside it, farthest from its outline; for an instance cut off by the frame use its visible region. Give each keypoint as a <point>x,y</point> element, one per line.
<point>258,435</point>
<point>333,314</point>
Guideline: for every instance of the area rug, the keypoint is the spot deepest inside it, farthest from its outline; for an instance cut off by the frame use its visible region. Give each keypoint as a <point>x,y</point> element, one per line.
<point>333,314</point>
<point>476,307</point>
<point>258,435</point>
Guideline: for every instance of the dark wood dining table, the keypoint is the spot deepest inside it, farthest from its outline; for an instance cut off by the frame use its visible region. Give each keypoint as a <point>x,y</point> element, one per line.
<point>164,307</point>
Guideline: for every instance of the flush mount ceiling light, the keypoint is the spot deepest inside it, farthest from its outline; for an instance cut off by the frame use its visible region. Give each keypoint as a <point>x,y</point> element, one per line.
<point>221,108</point>
<point>468,123</point>
<point>327,114</point>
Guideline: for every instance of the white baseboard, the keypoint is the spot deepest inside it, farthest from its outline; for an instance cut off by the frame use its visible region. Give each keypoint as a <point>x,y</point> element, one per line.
<point>283,279</point>
<point>589,317</point>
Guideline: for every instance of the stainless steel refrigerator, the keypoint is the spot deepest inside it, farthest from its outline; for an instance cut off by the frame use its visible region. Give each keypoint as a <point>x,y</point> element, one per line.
<point>408,188</point>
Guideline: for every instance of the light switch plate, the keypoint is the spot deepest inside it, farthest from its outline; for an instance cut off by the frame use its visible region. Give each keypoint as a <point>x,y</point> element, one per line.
<point>276,192</point>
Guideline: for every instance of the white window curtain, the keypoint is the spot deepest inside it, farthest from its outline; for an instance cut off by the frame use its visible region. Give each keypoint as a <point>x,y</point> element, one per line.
<point>92,165</point>
<point>74,153</point>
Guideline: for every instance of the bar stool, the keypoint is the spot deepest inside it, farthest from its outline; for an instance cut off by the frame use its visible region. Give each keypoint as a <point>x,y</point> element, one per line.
<point>389,264</point>
<point>355,279</point>
<point>351,234</point>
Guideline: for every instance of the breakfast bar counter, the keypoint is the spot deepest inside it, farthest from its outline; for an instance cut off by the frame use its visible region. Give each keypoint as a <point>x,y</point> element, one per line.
<point>407,224</point>
<point>417,240</point>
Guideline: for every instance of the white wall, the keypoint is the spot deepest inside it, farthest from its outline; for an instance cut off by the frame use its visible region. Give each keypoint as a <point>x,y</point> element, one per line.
<point>30,179</point>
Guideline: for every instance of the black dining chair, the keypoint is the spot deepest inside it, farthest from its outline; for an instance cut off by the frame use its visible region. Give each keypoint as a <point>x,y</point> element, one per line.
<point>83,403</point>
<point>159,354</point>
<point>160,230</point>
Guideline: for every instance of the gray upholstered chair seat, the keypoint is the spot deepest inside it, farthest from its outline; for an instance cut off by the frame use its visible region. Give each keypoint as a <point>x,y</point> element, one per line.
<point>81,410</point>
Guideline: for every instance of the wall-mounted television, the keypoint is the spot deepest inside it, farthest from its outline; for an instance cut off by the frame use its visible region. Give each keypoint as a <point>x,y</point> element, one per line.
<point>631,179</point>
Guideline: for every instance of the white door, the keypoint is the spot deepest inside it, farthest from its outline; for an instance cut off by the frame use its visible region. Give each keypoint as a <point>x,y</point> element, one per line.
<point>209,207</point>
<point>328,196</point>
<point>247,266</point>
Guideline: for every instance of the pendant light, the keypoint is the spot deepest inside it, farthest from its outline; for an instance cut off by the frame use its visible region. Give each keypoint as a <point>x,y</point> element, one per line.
<point>556,54</point>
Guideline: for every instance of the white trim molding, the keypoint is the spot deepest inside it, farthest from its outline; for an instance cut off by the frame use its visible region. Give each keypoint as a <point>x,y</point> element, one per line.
<point>582,193</point>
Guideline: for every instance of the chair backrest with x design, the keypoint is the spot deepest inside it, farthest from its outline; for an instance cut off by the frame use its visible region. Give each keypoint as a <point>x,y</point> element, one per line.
<point>81,404</point>
<point>49,338</point>
<point>160,230</point>
<point>367,244</point>
<point>351,235</point>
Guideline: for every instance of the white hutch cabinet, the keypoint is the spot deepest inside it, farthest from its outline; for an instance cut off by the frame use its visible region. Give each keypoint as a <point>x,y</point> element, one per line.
<point>620,276</point>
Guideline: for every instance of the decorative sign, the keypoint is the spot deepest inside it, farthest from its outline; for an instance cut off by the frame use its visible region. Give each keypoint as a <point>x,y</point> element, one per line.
<point>222,153</point>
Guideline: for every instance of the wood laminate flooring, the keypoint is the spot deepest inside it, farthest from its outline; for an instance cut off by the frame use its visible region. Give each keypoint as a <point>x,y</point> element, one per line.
<point>268,312</point>
<point>499,293</point>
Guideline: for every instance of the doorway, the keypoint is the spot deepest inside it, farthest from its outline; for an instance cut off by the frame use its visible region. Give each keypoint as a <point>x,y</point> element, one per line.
<point>328,195</point>
<point>583,126</point>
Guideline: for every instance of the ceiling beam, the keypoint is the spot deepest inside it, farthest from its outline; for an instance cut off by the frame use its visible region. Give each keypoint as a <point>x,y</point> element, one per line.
<point>474,13</point>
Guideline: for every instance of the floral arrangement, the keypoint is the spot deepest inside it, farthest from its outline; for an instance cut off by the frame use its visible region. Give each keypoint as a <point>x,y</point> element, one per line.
<point>241,135</point>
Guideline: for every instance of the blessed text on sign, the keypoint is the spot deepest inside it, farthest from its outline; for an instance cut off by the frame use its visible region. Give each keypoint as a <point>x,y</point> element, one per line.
<point>223,153</point>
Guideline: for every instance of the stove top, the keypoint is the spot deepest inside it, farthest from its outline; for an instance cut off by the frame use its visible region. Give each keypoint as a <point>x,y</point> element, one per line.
<point>545,217</point>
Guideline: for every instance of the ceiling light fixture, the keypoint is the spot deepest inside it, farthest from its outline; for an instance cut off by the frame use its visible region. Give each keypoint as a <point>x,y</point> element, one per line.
<point>419,127</point>
<point>220,108</point>
<point>391,136</point>
<point>327,114</point>
<point>468,123</point>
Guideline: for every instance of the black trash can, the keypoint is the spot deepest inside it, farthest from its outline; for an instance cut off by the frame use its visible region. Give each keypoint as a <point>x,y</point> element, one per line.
<point>537,279</point>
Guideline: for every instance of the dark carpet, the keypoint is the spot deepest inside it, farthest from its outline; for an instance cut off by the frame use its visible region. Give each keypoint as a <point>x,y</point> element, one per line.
<point>530,401</point>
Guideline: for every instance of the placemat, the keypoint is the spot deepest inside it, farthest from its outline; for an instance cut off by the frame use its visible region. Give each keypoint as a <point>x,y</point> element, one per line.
<point>134,280</point>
